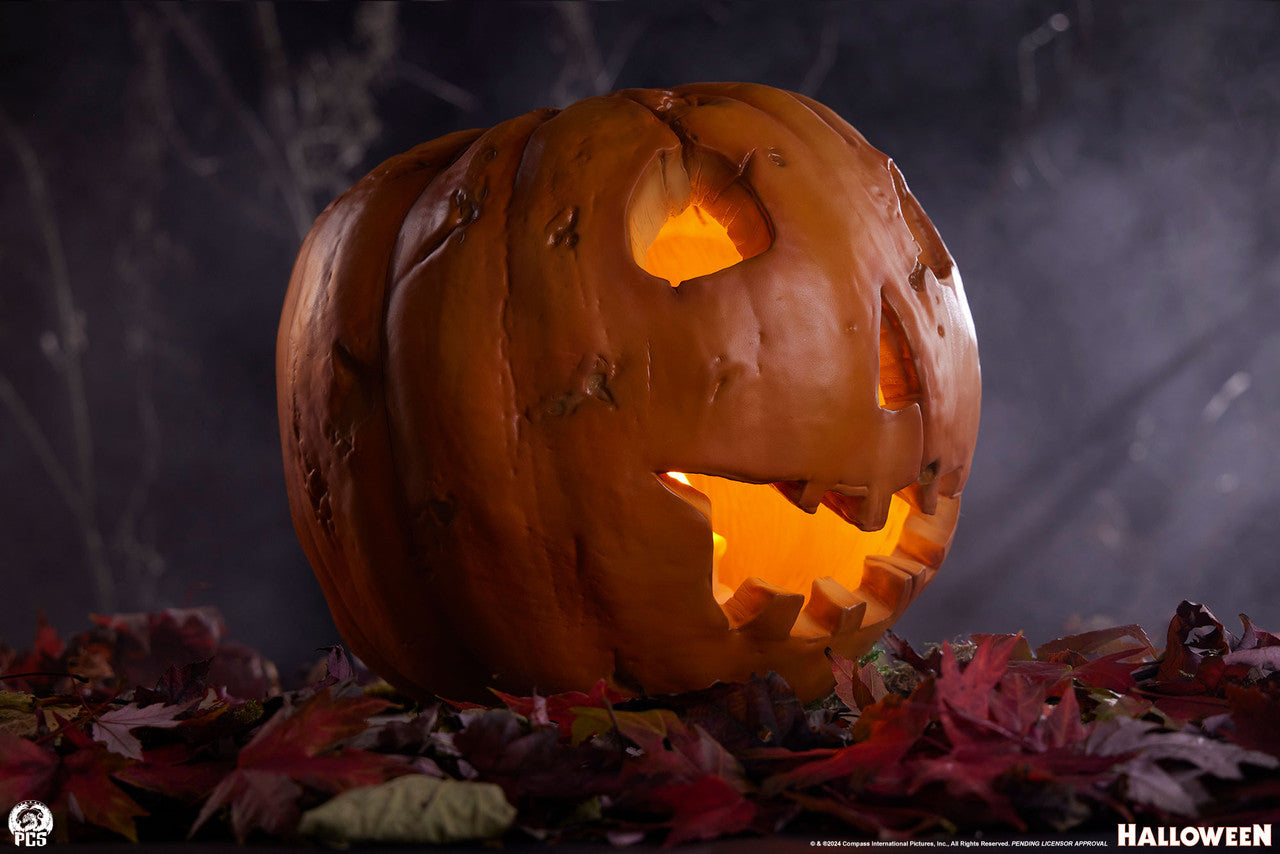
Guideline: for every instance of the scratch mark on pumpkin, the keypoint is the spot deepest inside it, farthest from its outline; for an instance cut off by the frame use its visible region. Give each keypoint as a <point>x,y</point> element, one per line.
<point>721,381</point>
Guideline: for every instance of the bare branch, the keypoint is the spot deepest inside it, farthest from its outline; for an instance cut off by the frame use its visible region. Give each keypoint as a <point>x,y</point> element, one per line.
<point>437,86</point>
<point>1028,46</point>
<point>586,70</point>
<point>150,39</point>
<point>277,164</point>
<point>825,59</point>
<point>71,341</point>
<point>70,347</point>
<point>79,504</point>
<point>576,18</point>
<point>281,111</point>
<point>44,452</point>
<point>622,49</point>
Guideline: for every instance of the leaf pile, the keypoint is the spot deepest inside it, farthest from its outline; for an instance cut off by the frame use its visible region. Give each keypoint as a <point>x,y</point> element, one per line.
<point>156,727</point>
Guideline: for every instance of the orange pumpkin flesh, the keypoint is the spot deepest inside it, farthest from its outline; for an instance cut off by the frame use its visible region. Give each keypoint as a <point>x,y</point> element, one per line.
<point>667,387</point>
<point>770,540</point>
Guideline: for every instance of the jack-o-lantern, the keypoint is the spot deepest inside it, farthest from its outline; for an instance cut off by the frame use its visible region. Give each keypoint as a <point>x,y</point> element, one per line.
<point>667,387</point>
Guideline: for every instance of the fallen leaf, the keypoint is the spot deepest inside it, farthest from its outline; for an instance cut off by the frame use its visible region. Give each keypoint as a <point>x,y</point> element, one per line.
<point>178,684</point>
<point>260,800</point>
<point>497,744</point>
<point>970,772</point>
<point>1255,719</point>
<point>856,686</point>
<point>294,749</point>
<point>115,728</point>
<point>887,730</point>
<point>965,696</point>
<point>26,770</point>
<point>1255,637</point>
<point>174,771</point>
<point>414,809</point>
<point>1193,633</point>
<point>1021,647</point>
<point>1144,746</point>
<point>1113,671</point>
<point>706,808</point>
<point>1096,644</point>
<point>763,711</point>
<point>1062,726</point>
<point>18,713</point>
<point>95,795</point>
<point>560,709</point>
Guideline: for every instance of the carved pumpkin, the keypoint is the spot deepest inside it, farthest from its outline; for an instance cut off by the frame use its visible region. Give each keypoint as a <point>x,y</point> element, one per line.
<point>666,387</point>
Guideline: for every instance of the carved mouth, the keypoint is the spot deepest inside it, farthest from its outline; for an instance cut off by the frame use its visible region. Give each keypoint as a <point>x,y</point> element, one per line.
<point>782,568</point>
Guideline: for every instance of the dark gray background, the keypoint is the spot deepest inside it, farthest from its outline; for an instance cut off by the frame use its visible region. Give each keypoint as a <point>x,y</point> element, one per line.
<point>1104,173</point>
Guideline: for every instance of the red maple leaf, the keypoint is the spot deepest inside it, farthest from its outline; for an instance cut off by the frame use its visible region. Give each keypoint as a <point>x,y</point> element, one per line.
<point>38,669</point>
<point>857,687</point>
<point>887,731</point>
<point>79,784</point>
<point>535,764</point>
<point>293,750</point>
<point>176,771</point>
<point>1061,726</point>
<point>706,808</point>
<point>559,708</point>
<point>1113,672</point>
<point>966,696</point>
<point>178,684</point>
<point>26,770</point>
<point>1254,716</point>
<point>969,772</point>
<point>90,793</point>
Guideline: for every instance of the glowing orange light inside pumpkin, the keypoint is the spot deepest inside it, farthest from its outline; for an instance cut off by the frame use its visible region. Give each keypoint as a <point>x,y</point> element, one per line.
<point>756,532</point>
<point>689,245</point>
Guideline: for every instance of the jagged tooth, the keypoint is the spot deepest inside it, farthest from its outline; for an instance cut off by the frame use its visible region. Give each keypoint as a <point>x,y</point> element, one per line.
<point>811,496</point>
<point>850,619</point>
<point>891,580</point>
<point>763,609</point>
<point>928,495</point>
<point>805,494</point>
<point>831,609</point>
<point>873,512</point>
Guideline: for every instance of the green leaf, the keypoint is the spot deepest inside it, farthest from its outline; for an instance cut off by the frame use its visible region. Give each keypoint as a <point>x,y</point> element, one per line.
<point>412,809</point>
<point>637,726</point>
<point>18,714</point>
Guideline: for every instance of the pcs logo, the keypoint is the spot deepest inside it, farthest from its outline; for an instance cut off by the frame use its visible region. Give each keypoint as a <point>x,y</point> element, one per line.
<point>30,823</point>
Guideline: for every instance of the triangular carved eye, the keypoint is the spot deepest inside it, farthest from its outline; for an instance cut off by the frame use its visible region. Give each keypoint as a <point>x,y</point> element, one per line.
<point>690,244</point>
<point>694,215</point>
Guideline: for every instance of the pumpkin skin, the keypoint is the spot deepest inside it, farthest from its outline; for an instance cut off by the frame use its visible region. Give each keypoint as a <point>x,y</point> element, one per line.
<point>481,391</point>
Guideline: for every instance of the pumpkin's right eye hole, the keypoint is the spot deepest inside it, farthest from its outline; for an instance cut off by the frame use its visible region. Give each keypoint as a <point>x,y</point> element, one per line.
<point>691,219</point>
<point>899,384</point>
